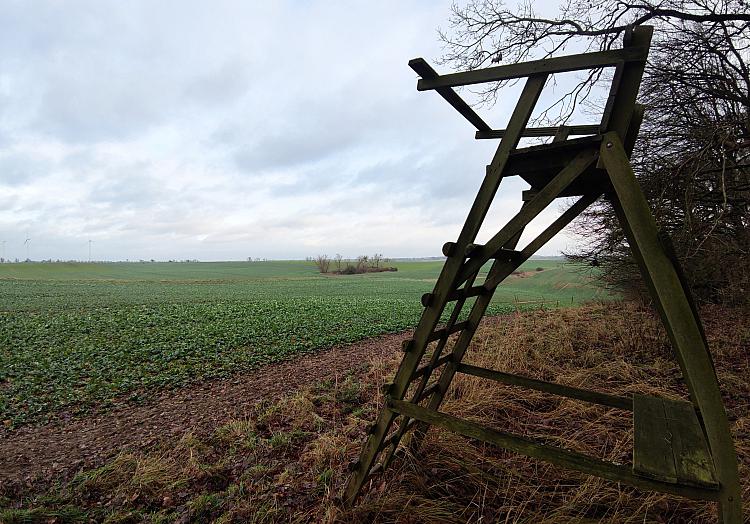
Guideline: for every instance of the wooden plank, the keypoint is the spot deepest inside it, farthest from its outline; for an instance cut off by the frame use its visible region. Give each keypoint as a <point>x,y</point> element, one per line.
<point>423,69</point>
<point>558,456</point>
<point>652,440</point>
<point>692,459</point>
<point>528,212</point>
<point>558,64</point>
<point>594,397</point>
<point>678,318</point>
<point>540,131</point>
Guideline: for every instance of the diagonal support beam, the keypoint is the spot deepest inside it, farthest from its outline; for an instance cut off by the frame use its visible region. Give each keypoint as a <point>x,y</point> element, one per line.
<point>545,236</point>
<point>678,317</point>
<point>535,206</point>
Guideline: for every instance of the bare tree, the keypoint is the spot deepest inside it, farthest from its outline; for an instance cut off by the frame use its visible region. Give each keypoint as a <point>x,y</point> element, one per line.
<point>338,259</point>
<point>693,155</point>
<point>363,261</point>
<point>322,262</point>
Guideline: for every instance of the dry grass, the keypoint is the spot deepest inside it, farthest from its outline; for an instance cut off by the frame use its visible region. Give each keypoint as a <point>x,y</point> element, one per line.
<point>287,463</point>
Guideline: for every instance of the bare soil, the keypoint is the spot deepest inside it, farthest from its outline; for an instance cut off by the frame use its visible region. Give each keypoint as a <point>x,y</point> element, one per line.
<point>64,447</point>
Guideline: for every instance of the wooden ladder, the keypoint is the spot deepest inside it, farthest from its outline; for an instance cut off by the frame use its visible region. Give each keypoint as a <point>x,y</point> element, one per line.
<point>702,464</point>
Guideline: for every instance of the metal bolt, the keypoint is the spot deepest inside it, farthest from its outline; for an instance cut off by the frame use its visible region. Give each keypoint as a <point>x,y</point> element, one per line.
<point>609,145</point>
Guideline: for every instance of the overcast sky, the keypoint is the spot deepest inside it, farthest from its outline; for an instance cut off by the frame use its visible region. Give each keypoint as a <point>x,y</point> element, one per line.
<point>222,130</point>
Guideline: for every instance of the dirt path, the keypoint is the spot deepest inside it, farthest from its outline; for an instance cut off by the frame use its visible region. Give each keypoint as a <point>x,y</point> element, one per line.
<point>55,449</point>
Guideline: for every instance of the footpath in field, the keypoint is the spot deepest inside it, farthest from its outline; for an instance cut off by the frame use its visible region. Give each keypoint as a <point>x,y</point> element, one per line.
<point>36,452</point>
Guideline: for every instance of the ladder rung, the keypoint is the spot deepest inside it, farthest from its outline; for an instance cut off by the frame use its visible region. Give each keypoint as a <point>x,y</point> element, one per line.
<point>472,249</point>
<point>392,437</point>
<point>475,291</point>
<point>429,390</point>
<point>427,368</point>
<point>508,254</point>
<point>475,249</point>
<point>445,332</point>
<point>449,248</point>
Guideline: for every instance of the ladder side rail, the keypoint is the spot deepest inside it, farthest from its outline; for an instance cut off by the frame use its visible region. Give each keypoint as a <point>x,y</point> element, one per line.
<point>417,396</point>
<point>459,348</point>
<point>445,283</point>
<point>624,90</point>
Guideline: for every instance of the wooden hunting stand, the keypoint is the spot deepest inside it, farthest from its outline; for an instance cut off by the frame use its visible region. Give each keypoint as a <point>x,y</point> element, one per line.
<point>682,448</point>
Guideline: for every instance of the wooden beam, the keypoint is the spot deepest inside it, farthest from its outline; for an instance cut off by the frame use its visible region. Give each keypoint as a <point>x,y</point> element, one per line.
<point>554,455</point>
<point>540,131</point>
<point>423,69</point>
<point>594,397</point>
<point>558,64</point>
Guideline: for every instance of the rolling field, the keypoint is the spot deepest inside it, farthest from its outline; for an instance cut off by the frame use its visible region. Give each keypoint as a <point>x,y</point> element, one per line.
<point>79,336</point>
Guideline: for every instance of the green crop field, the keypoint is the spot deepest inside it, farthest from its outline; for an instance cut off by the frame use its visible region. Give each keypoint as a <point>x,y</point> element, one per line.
<point>79,336</point>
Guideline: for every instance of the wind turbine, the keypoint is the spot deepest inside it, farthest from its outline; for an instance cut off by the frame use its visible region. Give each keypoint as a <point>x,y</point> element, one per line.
<point>90,250</point>
<point>3,253</point>
<point>26,243</point>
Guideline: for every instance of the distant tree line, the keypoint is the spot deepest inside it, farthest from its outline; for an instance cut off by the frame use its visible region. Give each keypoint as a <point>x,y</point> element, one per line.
<point>362,264</point>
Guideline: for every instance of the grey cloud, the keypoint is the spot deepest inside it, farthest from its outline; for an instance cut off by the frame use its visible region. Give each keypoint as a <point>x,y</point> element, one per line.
<point>182,129</point>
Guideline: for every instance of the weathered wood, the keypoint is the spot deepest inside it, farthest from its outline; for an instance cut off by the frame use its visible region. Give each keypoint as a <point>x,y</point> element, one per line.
<point>429,367</point>
<point>554,455</point>
<point>423,69</point>
<point>669,444</point>
<point>624,91</point>
<point>447,331</point>
<point>652,447</point>
<point>594,397</point>
<point>692,459</point>
<point>560,64</point>
<point>556,170</point>
<point>541,131</point>
<point>678,318</point>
